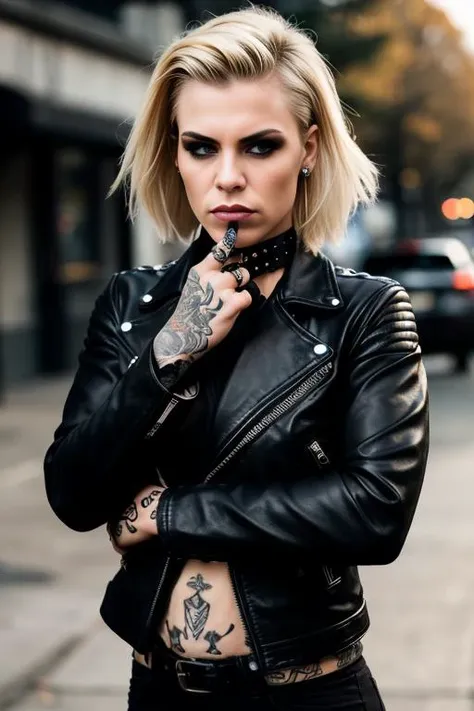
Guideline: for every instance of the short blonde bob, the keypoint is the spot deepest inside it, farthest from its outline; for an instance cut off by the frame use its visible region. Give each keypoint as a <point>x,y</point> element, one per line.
<point>253,42</point>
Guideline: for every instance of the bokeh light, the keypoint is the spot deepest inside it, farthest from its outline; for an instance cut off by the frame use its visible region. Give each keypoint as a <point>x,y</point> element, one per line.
<point>458,208</point>
<point>449,208</point>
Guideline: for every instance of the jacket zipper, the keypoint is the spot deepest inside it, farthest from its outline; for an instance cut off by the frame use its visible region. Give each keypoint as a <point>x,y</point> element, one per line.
<point>157,592</point>
<point>243,613</point>
<point>166,412</point>
<point>159,587</point>
<point>272,415</point>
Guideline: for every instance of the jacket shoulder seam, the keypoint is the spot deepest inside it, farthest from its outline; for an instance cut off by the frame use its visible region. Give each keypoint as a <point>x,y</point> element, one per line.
<point>364,276</point>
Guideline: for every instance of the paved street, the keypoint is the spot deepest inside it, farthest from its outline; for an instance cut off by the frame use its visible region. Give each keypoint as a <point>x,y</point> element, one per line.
<point>57,654</point>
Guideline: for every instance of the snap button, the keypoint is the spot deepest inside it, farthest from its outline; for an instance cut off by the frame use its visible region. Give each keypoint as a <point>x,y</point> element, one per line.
<point>126,326</point>
<point>320,349</point>
<point>335,302</point>
<point>253,666</point>
<point>147,298</point>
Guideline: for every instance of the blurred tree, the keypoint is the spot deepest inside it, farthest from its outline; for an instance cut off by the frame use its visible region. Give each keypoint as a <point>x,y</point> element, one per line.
<point>338,38</point>
<point>420,87</point>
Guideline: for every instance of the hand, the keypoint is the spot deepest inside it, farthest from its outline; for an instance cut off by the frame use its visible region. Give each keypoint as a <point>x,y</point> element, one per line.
<point>138,521</point>
<point>208,307</point>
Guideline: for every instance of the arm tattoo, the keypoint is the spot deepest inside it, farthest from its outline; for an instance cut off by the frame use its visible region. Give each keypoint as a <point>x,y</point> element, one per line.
<point>129,516</point>
<point>148,500</point>
<point>188,329</point>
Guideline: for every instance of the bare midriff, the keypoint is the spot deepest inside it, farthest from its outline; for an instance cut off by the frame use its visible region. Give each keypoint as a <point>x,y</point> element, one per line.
<point>202,619</point>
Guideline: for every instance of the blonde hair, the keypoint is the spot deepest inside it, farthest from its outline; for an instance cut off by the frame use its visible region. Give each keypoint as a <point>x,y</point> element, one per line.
<point>247,44</point>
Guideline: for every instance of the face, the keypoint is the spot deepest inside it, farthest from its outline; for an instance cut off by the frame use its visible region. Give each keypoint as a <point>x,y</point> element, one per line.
<point>239,144</point>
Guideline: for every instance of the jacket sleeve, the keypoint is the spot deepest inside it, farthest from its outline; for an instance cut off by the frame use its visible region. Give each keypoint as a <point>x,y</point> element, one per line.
<point>357,514</point>
<point>89,470</point>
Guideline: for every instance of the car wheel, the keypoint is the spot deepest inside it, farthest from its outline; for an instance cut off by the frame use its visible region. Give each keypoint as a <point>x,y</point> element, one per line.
<point>462,362</point>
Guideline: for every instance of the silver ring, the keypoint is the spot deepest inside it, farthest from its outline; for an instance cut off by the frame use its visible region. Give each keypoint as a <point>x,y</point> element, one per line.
<point>236,272</point>
<point>219,254</point>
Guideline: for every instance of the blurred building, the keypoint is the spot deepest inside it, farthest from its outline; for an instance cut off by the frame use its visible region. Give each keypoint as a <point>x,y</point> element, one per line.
<point>72,75</point>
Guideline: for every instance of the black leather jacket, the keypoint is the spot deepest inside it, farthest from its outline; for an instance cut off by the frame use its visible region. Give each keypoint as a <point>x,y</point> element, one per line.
<point>319,448</point>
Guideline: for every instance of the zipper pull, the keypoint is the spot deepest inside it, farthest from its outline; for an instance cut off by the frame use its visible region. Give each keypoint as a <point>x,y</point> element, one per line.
<point>318,454</point>
<point>166,412</point>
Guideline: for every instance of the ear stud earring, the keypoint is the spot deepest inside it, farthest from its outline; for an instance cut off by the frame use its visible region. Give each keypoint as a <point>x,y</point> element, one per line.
<point>305,172</point>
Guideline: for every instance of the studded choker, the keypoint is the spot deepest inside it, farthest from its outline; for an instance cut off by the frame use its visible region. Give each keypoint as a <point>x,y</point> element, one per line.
<point>270,255</point>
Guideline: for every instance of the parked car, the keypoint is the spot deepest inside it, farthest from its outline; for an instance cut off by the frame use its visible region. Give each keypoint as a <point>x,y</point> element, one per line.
<point>438,274</point>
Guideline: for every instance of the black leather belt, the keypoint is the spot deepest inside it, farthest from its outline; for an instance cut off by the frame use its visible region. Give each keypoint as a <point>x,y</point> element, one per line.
<point>231,674</point>
<point>201,676</point>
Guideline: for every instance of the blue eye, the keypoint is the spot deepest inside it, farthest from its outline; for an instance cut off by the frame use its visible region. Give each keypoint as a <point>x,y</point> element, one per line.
<point>265,147</point>
<point>199,150</point>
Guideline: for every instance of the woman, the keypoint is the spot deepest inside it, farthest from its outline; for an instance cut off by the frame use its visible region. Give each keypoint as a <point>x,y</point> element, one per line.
<point>250,421</point>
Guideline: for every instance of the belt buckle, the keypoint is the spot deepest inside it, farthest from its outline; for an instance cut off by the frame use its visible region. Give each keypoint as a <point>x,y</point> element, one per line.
<point>182,675</point>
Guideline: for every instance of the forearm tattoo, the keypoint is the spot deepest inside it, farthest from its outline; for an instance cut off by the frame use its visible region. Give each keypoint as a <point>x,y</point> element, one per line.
<point>130,516</point>
<point>188,330</point>
<point>196,614</point>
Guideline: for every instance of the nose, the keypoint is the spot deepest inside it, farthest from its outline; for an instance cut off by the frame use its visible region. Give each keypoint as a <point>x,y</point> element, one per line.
<point>229,175</point>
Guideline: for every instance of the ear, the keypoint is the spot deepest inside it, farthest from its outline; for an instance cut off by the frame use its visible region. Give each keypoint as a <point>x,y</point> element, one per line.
<point>311,146</point>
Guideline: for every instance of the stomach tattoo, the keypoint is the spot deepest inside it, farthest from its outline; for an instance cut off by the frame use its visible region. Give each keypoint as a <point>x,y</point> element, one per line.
<point>201,614</point>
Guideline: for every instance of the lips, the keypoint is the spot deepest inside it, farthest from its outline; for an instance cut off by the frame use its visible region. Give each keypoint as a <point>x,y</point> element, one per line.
<point>231,209</point>
<point>239,213</point>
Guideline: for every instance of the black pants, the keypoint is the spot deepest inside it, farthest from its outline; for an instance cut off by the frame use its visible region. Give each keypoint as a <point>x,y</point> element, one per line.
<point>350,689</point>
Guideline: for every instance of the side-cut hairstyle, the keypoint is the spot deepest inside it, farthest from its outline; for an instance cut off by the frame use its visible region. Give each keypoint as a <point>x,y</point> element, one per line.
<point>247,44</point>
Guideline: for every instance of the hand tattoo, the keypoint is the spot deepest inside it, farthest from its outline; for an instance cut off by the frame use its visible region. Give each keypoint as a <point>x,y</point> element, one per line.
<point>188,329</point>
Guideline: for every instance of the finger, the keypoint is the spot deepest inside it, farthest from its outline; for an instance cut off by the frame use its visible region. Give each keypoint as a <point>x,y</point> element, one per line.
<point>240,274</point>
<point>255,293</point>
<point>221,251</point>
<point>241,300</point>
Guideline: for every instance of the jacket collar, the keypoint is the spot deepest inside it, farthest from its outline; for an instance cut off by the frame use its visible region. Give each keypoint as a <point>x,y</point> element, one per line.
<point>310,280</point>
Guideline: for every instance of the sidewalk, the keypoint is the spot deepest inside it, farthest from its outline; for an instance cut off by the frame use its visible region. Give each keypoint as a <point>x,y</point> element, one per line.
<point>57,654</point>
<point>28,416</point>
<point>51,579</point>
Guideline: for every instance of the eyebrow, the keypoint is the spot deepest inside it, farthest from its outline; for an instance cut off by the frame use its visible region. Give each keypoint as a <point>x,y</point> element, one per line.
<point>246,139</point>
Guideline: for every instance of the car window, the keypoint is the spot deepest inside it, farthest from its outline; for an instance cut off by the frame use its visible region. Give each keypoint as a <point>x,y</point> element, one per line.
<point>402,262</point>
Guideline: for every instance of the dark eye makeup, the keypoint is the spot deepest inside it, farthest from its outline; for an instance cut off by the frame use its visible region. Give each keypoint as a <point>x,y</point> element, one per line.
<point>264,147</point>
